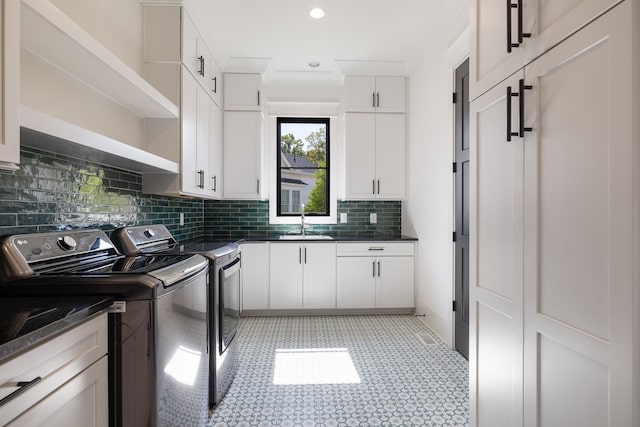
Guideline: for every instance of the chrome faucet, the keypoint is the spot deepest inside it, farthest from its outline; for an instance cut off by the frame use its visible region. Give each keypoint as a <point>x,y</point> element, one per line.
<point>303,226</point>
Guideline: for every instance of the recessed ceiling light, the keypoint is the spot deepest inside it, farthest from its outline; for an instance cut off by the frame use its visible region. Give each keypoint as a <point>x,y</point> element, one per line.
<point>314,64</point>
<point>316,13</point>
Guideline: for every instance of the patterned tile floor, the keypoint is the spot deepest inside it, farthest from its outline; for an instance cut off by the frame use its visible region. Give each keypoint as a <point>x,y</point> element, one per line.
<point>398,379</point>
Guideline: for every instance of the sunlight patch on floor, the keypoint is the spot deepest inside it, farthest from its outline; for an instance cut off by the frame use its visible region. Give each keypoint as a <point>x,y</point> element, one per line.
<point>314,366</point>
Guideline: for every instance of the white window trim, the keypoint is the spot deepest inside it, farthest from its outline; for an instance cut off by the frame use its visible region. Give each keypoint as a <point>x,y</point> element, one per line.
<point>270,152</point>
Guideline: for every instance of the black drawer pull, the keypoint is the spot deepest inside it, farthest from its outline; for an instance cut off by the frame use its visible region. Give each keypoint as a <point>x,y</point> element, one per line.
<point>24,386</point>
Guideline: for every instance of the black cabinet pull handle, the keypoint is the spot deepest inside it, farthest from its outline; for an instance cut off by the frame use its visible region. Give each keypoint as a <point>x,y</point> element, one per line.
<point>378,186</point>
<point>23,386</point>
<point>377,99</point>
<point>378,268</point>
<point>201,70</point>
<point>374,269</point>
<point>510,94</point>
<point>299,255</point>
<point>373,186</point>
<point>521,35</point>
<point>258,98</point>
<point>510,43</point>
<point>215,183</point>
<point>305,254</point>
<point>523,87</point>
<point>215,84</point>
<point>373,102</point>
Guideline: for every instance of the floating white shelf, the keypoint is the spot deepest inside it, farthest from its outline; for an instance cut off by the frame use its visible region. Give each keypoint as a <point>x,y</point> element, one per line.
<point>51,35</point>
<point>53,134</point>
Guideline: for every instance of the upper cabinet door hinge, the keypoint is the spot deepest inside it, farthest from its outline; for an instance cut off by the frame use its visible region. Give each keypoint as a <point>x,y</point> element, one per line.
<point>455,97</point>
<point>453,306</point>
<point>454,236</point>
<point>455,167</point>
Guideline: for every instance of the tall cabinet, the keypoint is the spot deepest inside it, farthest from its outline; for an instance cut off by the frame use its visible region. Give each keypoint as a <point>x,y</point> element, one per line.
<point>375,138</point>
<point>555,284</point>
<point>9,85</point>
<point>179,64</point>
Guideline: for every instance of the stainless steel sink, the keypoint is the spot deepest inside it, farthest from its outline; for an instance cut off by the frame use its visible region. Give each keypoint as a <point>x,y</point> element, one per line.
<point>305,237</point>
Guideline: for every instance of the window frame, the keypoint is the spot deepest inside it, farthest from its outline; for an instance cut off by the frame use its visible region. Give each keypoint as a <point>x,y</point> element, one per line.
<point>327,168</point>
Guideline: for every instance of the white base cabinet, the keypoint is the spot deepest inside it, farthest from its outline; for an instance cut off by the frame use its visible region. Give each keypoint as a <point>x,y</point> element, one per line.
<point>254,276</point>
<point>73,385</point>
<point>302,276</point>
<point>386,280</point>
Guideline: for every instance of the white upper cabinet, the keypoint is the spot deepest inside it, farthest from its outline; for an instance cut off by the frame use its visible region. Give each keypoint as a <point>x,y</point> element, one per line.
<point>242,92</point>
<point>216,152</point>
<point>9,85</point>
<point>381,94</point>
<point>243,155</point>
<point>507,35</point>
<point>375,156</point>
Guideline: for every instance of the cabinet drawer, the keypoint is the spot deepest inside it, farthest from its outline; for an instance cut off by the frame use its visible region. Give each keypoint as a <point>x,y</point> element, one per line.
<point>54,362</point>
<point>377,249</point>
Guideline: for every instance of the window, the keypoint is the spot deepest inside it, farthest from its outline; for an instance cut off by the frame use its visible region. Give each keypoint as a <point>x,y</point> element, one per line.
<point>303,166</point>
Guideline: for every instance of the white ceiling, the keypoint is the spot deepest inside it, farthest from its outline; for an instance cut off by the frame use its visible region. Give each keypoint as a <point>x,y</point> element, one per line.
<point>279,38</point>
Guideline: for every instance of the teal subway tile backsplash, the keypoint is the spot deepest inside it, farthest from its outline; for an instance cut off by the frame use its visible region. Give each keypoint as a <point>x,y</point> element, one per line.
<point>53,192</point>
<point>233,218</point>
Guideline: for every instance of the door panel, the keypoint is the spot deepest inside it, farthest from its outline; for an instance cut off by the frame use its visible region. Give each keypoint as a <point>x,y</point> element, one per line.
<point>390,156</point>
<point>495,262</point>
<point>578,212</point>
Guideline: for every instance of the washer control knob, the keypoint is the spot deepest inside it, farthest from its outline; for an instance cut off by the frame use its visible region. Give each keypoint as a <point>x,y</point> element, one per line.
<point>149,233</point>
<point>67,243</point>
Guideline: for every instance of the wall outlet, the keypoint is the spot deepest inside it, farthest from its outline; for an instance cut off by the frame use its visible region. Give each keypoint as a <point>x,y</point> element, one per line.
<point>373,218</point>
<point>181,218</point>
<point>343,217</point>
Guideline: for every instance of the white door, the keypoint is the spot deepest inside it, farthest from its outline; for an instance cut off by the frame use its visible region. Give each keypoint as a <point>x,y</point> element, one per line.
<point>285,275</point>
<point>578,242</point>
<point>189,144</point>
<point>319,279</point>
<point>395,286</point>
<point>356,286</point>
<point>254,276</point>
<point>242,155</point>
<point>82,401</point>
<point>215,164</point>
<point>360,137</point>
<point>242,92</point>
<point>203,137</point>
<point>390,94</point>
<point>360,94</point>
<point>496,252</point>
<point>390,156</point>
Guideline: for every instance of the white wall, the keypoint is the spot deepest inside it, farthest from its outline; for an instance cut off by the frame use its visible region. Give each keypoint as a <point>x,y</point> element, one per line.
<point>428,211</point>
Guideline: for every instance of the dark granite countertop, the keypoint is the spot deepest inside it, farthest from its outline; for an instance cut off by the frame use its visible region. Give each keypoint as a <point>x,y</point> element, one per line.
<point>26,321</point>
<point>335,237</point>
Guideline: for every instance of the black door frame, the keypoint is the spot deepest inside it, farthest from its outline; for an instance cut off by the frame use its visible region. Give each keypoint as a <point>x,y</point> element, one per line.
<point>461,235</point>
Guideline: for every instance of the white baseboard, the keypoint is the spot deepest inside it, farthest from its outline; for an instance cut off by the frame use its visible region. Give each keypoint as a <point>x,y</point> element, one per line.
<point>438,324</point>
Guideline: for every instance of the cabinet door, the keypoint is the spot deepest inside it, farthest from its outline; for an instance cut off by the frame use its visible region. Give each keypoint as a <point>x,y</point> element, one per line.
<point>242,92</point>
<point>319,279</point>
<point>215,165</point>
<point>215,83</point>
<point>10,85</point>
<point>190,45</point>
<point>189,148</point>
<point>579,280</point>
<point>391,94</point>
<point>255,276</point>
<point>395,287</point>
<point>360,139</point>
<point>242,155</point>
<point>356,282</point>
<point>203,137</point>
<point>285,275</point>
<point>390,156</point>
<point>83,401</point>
<point>496,261</point>
<point>547,22</point>
<point>360,94</point>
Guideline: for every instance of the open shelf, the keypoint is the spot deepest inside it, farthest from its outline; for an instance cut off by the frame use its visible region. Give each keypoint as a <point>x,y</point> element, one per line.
<point>52,134</point>
<point>52,36</point>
